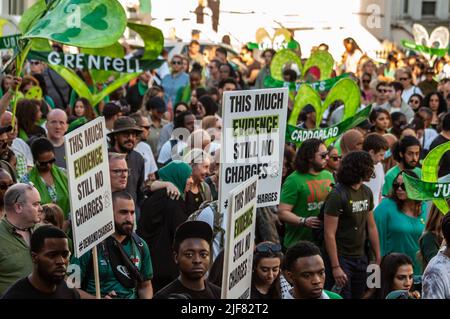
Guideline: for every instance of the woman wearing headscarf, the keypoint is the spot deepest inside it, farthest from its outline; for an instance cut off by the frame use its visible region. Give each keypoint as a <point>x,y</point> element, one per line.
<point>352,140</point>
<point>160,217</point>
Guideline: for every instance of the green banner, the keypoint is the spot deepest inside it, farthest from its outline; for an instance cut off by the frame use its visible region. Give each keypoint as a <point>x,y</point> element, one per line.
<point>95,62</point>
<point>326,85</point>
<point>298,136</point>
<point>9,42</point>
<point>420,190</point>
<point>421,48</point>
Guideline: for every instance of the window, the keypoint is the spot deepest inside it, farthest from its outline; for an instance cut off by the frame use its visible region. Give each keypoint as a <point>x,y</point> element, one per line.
<point>405,6</point>
<point>428,8</point>
<point>16,7</point>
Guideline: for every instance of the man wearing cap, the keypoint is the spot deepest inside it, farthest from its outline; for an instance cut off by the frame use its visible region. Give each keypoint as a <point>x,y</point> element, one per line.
<point>191,249</point>
<point>174,81</point>
<point>123,140</point>
<point>429,85</point>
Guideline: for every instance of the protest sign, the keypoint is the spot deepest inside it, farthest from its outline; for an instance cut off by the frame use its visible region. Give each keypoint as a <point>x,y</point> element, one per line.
<point>238,254</point>
<point>298,136</point>
<point>254,125</point>
<point>420,190</point>
<point>9,42</point>
<point>91,208</point>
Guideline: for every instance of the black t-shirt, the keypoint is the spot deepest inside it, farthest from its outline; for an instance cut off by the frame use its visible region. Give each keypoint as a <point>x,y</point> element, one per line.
<point>256,294</point>
<point>211,291</point>
<point>193,201</point>
<point>444,168</point>
<point>23,289</point>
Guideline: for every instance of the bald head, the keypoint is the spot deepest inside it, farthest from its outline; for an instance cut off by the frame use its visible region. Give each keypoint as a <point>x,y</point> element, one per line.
<point>56,125</point>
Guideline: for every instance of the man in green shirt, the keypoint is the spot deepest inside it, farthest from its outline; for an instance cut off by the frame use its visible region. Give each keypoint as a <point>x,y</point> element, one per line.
<point>22,209</point>
<point>124,262</point>
<point>304,191</point>
<point>306,271</point>
<point>348,223</point>
<point>407,153</point>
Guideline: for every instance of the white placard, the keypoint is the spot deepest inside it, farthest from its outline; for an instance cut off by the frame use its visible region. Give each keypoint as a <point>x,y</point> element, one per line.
<point>92,214</point>
<point>254,127</point>
<point>238,254</point>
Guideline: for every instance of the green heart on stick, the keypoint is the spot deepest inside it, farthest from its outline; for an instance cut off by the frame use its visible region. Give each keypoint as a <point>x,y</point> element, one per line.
<point>86,24</point>
<point>321,59</point>
<point>345,90</point>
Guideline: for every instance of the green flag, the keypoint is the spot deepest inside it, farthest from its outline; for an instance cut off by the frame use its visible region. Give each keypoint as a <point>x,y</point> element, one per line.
<point>420,190</point>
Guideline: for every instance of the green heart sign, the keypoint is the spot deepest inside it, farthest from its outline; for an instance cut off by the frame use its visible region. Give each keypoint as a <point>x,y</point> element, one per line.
<point>430,168</point>
<point>81,23</point>
<point>345,90</point>
<point>321,59</point>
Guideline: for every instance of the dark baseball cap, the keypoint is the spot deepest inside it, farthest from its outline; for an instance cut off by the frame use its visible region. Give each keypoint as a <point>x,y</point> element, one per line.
<point>194,229</point>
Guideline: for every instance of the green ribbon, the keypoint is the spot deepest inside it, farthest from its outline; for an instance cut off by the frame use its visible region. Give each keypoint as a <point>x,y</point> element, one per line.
<point>9,42</point>
<point>420,190</point>
<point>137,64</point>
<point>298,136</point>
<point>422,48</point>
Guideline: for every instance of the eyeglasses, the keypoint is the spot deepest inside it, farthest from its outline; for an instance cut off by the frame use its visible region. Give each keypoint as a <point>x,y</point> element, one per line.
<point>4,187</point>
<point>268,247</point>
<point>324,155</point>
<point>336,158</point>
<point>177,62</point>
<point>403,79</point>
<point>53,160</point>
<point>119,171</point>
<point>397,186</point>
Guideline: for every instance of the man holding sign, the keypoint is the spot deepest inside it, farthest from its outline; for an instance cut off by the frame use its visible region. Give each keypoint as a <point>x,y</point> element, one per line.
<point>124,258</point>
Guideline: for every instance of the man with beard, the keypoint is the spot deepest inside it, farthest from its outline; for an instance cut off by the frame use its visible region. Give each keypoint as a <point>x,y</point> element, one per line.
<point>306,271</point>
<point>22,210</point>
<point>123,140</point>
<point>125,267</point>
<point>191,250</point>
<point>50,253</point>
<point>407,154</point>
<point>348,224</point>
<point>304,191</point>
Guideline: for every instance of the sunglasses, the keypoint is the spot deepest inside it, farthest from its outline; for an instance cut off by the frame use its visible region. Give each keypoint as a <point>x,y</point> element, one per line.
<point>268,247</point>
<point>324,155</point>
<point>414,102</point>
<point>4,187</point>
<point>35,62</point>
<point>336,158</point>
<point>397,186</point>
<point>177,62</point>
<point>52,161</point>
<point>366,81</point>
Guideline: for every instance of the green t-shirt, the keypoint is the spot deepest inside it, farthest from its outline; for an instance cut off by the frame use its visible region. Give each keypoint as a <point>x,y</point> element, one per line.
<point>391,175</point>
<point>351,232</point>
<point>399,232</point>
<point>306,192</point>
<point>108,281</point>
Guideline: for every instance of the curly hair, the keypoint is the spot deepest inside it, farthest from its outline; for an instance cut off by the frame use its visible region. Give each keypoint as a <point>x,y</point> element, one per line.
<point>402,145</point>
<point>355,167</point>
<point>305,154</point>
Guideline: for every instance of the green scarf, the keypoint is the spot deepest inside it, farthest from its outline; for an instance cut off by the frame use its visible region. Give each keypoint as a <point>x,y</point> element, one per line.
<point>142,88</point>
<point>176,172</point>
<point>77,123</point>
<point>23,135</point>
<point>61,184</point>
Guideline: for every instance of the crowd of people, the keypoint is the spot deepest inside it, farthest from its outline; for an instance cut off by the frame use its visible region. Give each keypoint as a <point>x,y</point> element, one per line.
<point>342,207</point>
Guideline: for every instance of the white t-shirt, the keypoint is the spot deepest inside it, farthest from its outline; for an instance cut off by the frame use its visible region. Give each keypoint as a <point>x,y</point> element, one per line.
<point>436,278</point>
<point>376,184</point>
<point>19,146</point>
<point>149,161</point>
<point>412,90</point>
<point>429,134</point>
<point>165,154</point>
<point>207,216</point>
